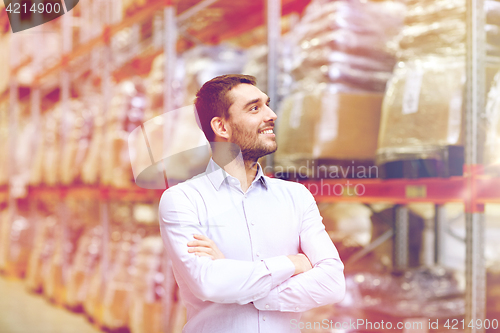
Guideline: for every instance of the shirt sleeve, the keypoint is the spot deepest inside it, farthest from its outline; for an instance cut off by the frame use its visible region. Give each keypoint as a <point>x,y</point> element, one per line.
<point>323,284</point>
<point>222,280</point>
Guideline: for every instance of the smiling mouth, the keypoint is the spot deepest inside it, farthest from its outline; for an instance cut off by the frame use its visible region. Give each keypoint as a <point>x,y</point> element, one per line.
<point>268,131</point>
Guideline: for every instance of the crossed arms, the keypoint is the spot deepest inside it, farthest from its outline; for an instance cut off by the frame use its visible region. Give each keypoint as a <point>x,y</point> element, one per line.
<point>296,282</point>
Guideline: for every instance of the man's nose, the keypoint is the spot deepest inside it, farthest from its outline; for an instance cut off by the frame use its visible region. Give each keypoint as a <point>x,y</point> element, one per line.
<point>271,114</point>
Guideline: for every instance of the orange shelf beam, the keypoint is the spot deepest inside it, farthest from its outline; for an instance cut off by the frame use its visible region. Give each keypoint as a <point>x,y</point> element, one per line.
<point>400,191</point>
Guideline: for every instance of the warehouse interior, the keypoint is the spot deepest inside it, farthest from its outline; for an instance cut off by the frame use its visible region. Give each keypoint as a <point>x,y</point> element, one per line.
<point>388,112</point>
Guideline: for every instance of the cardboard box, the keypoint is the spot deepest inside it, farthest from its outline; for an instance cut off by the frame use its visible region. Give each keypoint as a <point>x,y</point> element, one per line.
<point>328,126</point>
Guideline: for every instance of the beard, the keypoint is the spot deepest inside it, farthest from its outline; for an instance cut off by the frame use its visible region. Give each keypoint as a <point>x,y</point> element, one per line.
<point>251,144</point>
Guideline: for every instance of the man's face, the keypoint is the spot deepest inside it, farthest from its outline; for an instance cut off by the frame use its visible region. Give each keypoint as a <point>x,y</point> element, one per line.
<point>251,122</point>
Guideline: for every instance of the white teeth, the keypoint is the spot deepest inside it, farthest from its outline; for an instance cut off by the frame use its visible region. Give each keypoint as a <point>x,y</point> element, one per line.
<point>269,131</point>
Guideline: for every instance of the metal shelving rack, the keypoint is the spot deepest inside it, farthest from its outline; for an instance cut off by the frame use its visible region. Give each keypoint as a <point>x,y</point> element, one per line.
<point>473,189</point>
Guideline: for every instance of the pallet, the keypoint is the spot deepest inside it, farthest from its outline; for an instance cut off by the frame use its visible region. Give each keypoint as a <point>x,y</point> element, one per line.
<point>450,164</point>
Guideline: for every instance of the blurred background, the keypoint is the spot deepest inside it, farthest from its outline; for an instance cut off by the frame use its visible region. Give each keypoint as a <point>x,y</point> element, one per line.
<point>391,96</point>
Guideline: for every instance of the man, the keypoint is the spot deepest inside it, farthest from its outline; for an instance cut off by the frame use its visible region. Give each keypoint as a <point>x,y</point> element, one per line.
<point>249,252</point>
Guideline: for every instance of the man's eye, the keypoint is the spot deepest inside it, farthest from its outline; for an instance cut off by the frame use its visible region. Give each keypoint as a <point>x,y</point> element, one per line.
<point>254,108</point>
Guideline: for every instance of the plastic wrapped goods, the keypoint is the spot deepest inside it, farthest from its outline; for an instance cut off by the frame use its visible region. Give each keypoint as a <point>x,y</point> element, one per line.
<point>349,44</point>
<point>146,305</point>
<point>79,120</point>
<point>326,125</point>
<point>94,298</point>
<point>52,146</point>
<point>439,28</point>
<point>22,156</point>
<point>422,109</point>
<point>20,243</point>
<point>118,294</point>
<point>85,264</point>
<point>55,280</point>
<point>43,249</point>
<point>493,127</point>
<point>127,113</point>
<point>418,293</point>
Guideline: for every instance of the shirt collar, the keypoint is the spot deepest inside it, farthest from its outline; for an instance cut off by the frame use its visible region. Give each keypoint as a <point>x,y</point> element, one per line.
<point>217,175</point>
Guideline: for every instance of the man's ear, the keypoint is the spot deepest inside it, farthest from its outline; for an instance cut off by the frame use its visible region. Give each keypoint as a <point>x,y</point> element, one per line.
<point>220,127</point>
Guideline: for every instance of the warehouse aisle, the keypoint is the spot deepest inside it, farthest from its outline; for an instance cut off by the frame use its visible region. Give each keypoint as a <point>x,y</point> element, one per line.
<point>22,312</point>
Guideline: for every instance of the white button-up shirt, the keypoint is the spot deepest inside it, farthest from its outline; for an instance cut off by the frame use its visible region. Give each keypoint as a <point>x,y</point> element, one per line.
<point>252,290</point>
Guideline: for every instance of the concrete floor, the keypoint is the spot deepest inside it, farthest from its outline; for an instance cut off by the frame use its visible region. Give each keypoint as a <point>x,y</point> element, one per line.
<point>23,312</point>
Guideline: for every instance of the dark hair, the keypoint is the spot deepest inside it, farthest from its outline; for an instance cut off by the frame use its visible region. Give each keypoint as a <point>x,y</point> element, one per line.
<point>212,100</point>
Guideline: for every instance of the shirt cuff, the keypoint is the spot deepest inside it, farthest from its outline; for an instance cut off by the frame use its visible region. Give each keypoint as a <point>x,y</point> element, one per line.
<point>281,269</point>
<point>268,303</point>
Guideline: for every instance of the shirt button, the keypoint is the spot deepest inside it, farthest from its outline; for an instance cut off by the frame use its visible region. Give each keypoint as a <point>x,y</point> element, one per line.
<point>252,222</point>
<point>257,254</point>
<point>296,308</point>
<point>267,306</point>
<point>264,318</point>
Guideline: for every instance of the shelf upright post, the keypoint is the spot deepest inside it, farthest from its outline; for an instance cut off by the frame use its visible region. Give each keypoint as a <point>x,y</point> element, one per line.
<point>106,103</point>
<point>85,26</point>
<point>94,30</point>
<point>273,43</point>
<point>170,54</point>
<point>104,217</point>
<point>169,51</point>
<point>66,34</point>
<point>13,126</point>
<point>401,238</point>
<point>475,292</point>
<point>35,104</point>
<point>439,233</point>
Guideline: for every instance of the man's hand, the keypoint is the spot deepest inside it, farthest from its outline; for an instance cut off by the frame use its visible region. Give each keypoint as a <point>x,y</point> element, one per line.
<point>204,246</point>
<point>301,262</point>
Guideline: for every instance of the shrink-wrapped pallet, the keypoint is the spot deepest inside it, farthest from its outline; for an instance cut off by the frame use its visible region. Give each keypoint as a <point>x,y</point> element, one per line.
<point>66,239</point>
<point>422,114</point>
<point>127,111</point>
<point>20,243</point>
<point>422,109</point>
<point>23,155</point>
<point>79,123</point>
<point>52,146</point>
<point>146,305</point>
<point>94,298</point>
<point>43,249</point>
<point>439,27</point>
<point>324,127</point>
<point>92,160</point>
<point>118,294</point>
<point>85,264</point>
<point>39,146</point>
<point>347,44</point>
